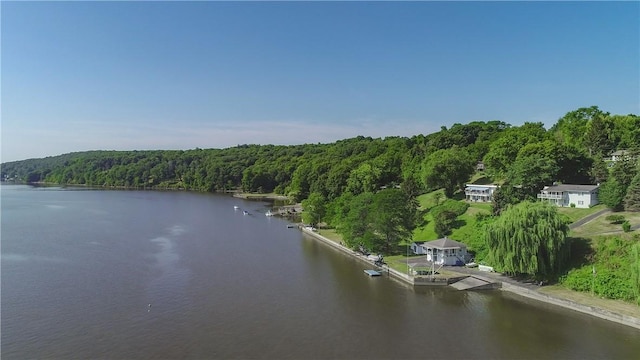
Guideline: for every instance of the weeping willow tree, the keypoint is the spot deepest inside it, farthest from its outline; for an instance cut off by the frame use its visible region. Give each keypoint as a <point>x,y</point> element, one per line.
<point>529,238</point>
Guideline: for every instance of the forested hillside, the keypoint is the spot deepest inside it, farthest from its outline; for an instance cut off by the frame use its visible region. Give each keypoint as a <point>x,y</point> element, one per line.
<point>572,151</point>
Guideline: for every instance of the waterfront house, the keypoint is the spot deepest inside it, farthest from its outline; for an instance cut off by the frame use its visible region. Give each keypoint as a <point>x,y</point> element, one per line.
<point>479,193</point>
<point>443,251</point>
<point>580,196</point>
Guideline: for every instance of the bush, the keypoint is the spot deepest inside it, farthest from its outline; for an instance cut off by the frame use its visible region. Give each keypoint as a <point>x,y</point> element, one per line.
<point>572,205</point>
<point>445,215</point>
<point>613,261</point>
<point>456,207</point>
<point>615,219</point>
<point>626,226</point>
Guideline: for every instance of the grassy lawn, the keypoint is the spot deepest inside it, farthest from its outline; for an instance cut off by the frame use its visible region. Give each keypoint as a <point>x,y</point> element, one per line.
<point>468,222</point>
<point>427,231</point>
<point>331,234</point>
<point>576,214</point>
<point>481,178</point>
<point>427,201</point>
<point>397,262</point>
<point>600,225</point>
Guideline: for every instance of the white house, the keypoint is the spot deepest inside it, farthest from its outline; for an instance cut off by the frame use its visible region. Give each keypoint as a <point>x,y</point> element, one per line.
<point>619,155</point>
<point>479,193</point>
<point>581,196</point>
<point>442,251</point>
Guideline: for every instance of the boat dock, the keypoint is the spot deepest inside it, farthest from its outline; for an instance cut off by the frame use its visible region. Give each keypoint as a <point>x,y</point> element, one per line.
<point>475,283</point>
<point>372,272</point>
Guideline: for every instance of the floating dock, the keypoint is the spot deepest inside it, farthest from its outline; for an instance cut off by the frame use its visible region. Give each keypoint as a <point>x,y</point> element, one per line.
<point>372,272</point>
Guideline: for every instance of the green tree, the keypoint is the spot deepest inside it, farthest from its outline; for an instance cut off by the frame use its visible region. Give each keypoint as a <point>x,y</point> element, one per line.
<point>449,169</point>
<point>626,131</point>
<point>624,170</point>
<point>503,151</point>
<point>354,227</point>
<point>632,198</point>
<point>443,222</point>
<point>599,171</point>
<point>571,128</point>
<point>393,218</point>
<point>611,193</point>
<point>506,195</point>
<point>376,221</point>
<point>573,164</point>
<point>314,209</point>
<point>532,173</point>
<point>365,178</point>
<point>445,215</point>
<point>528,238</point>
<point>596,136</point>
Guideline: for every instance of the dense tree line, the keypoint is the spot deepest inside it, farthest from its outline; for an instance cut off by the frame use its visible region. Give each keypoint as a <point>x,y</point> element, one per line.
<point>528,156</point>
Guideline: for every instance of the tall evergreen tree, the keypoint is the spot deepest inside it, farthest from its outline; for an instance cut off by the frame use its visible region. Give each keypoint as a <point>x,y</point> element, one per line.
<point>632,199</point>
<point>611,193</point>
<point>599,171</point>
<point>596,136</point>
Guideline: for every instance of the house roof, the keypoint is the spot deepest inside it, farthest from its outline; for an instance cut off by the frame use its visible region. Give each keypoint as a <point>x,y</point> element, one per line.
<point>570,187</point>
<point>444,243</point>
<point>482,188</point>
<point>478,186</point>
<point>620,153</point>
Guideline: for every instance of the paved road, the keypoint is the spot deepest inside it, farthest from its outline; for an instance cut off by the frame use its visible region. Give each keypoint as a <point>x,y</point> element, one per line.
<point>588,218</point>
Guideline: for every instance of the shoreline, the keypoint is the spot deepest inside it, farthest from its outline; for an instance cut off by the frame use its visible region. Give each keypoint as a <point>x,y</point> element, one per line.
<point>510,286</point>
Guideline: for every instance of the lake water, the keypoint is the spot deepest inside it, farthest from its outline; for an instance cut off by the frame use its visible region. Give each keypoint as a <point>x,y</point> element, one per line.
<point>80,268</point>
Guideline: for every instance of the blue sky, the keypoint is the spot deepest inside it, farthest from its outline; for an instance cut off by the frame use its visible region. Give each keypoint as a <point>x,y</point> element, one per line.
<point>166,75</point>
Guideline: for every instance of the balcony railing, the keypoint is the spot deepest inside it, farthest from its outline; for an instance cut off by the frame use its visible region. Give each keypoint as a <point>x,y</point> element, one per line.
<point>550,196</point>
<point>477,192</point>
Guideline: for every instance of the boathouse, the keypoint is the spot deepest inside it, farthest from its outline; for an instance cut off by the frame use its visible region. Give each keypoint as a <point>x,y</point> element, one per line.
<point>443,251</point>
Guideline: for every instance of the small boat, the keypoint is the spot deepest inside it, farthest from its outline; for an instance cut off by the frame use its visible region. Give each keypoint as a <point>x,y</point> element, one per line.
<point>291,226</point>
<point>245,212</point>
<point>236,207</point>
<point>268,213</point>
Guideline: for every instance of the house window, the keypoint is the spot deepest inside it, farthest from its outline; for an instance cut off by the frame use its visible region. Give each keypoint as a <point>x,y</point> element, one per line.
<point>580,202</point>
